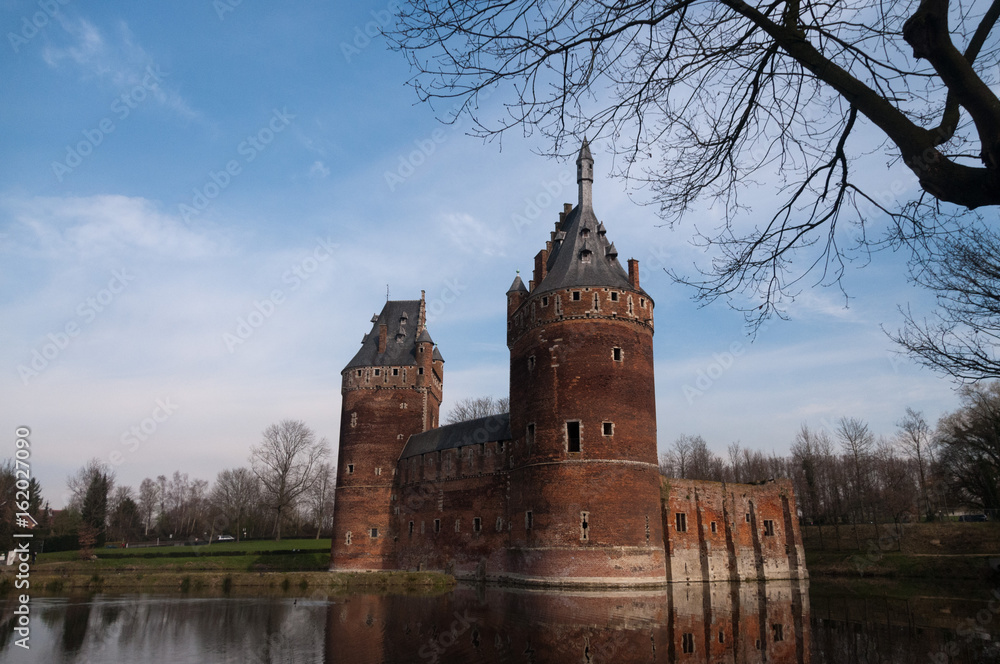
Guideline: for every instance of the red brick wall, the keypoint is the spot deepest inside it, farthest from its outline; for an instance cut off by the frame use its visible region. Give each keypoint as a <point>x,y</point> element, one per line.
<point>379,413</point>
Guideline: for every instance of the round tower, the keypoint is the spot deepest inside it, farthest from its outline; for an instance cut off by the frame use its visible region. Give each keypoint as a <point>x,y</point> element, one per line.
<point>391,389</point>
<point>584,481</point>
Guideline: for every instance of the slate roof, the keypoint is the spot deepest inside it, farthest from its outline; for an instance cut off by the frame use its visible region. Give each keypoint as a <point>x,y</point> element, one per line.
<point>400,318</point>
<point>518,285</point>
<point>471,432</point>
<point>570,265</point>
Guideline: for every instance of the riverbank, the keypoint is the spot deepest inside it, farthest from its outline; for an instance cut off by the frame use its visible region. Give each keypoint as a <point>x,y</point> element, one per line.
<point>307,584</point>
<point>969,551</point>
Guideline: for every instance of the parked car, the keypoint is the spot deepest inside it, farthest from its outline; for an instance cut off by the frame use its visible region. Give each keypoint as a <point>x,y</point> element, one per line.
<point>972,517</point>
<point>225,538</point>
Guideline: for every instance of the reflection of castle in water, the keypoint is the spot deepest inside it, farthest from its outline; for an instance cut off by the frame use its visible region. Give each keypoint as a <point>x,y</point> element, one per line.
<point>694,623</point>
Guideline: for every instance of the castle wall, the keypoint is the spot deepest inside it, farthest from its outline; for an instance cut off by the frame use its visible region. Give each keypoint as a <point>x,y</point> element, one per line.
<point>379,414</point>
<point>456,501</point>
<point>715,531</point>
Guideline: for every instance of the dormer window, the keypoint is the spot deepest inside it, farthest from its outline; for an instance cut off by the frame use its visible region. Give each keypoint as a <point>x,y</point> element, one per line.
<point>585,232</point>
<point>585,255</point>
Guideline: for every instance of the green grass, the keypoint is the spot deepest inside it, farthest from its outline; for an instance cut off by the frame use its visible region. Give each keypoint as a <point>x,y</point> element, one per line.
<point>257,555</point>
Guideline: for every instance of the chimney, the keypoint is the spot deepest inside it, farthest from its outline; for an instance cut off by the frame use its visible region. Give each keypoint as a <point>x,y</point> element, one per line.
<point>383,332</point>
<point>541,258</point>
<point>633,273</point>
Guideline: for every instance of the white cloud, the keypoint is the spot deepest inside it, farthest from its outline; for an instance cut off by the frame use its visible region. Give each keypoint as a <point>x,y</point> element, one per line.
<point>103,224</point>
<point>319,170</point>
<point>121,61</point>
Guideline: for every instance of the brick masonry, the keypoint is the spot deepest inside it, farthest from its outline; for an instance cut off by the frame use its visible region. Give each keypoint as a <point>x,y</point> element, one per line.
<point>574,496</point>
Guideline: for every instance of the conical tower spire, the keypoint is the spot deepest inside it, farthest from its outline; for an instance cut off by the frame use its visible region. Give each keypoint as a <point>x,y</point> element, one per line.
<point>585,175</point>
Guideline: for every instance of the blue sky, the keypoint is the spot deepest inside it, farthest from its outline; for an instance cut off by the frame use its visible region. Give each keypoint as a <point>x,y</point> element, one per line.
<point>174,171</point>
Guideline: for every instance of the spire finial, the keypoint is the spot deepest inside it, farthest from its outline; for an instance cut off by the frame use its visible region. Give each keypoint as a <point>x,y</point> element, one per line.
<point>585,174</point>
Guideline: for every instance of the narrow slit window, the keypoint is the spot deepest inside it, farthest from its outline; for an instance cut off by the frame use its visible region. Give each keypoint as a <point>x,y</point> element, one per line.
<point>477,524</point>
<point>616,354</point>
<point>378,471</point>
<point>573,436</point>
<point>411,529</point>
<point>437,525</point>
<point>528,520</point>
<point>584,526</point>
<point>714,527</point>
<point>688,643</point>
<point>347,538</point>
<point>529,437</point>
<point>531,363</point>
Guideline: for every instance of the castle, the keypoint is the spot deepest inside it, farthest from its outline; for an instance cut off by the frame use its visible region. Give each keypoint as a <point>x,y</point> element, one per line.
<point>564,489</point>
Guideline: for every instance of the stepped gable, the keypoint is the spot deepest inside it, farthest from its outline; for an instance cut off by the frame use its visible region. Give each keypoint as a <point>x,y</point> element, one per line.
<point>581,253</point>
<point>402,321</point>
<point>487,429</point>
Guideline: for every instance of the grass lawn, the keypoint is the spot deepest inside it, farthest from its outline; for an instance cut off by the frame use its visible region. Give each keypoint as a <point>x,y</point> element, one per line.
<point>255,555</point>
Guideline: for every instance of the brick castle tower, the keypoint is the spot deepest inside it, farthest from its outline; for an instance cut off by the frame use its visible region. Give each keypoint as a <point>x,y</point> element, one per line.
<point>584,481</point>
<point>391,390</point>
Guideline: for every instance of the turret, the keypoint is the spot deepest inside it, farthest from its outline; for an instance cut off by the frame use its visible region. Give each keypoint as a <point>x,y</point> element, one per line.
<point>584,486</point>
<point>391,389</point>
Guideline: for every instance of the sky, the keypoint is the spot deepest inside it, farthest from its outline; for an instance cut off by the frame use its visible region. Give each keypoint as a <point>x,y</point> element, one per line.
<point>203,203</point>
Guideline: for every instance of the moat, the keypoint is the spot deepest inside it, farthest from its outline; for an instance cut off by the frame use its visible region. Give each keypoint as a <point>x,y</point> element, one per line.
<point>699,623</point>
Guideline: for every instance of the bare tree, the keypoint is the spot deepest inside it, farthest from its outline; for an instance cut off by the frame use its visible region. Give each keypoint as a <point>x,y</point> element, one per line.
<point>914,437</point>
<point>321,496</point>
<point>80,482</point>
<point>702,99</point>
<point>286,462</point>
<point>960,339</point>
<point>968,442</point>
<point>149,498</point>
<point>234,495</point>
<point>475,407</point>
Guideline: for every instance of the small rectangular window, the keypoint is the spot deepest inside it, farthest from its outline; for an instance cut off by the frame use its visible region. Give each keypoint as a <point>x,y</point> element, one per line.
<point>411,529</point>
<point>614,296</point>
<point>395,371</point>
<point>576,296</point>
<point>609,428</point>
<point>499,524</point>
<point>529,437</point>
<point>616,354</point>
<point>714,527</point>
<point>477,524</point>
<point>350,468</point>
<point>374,533</point>
<point>768,528</point>
<point>378,471</point>
<point>420,371</point>
<point>573,436</point>
<point>779,632</point>
<point>545,301</point>
<point>437,525</point>
<point>688,643</point>
<point>359,372</point>
<point>528,521</point>
<point>722,637</point>
<point>681,521</point>
<point>378,372</point>
<point>748,517</point>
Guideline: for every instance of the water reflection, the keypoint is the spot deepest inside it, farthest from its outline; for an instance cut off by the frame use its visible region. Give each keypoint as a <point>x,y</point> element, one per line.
<point>695,624</point>
<point>731,623</point>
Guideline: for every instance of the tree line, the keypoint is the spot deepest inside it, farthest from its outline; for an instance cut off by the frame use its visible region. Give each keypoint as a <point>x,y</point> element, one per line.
<point>849,474</point>
<point>287,488</point>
